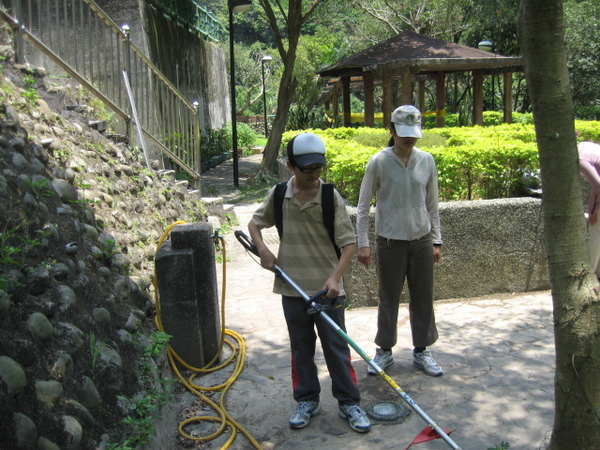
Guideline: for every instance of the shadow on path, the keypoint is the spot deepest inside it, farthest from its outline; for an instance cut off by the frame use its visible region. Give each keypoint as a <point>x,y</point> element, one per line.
<point>218,181</point>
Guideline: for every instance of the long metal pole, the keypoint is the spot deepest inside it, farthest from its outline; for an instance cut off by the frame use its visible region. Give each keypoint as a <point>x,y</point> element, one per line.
<point>280,273</point>
<point>236,181</point>
<point>249,245</point>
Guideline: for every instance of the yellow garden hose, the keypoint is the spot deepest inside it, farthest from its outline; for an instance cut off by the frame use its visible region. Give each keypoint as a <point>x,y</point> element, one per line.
<point>238,348</point>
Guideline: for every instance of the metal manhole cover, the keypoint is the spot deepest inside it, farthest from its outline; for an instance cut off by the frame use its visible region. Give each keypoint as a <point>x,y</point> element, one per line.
<point>386,411</point>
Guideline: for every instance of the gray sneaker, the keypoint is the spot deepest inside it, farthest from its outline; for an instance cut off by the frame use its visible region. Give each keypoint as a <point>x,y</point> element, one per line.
<point>356,417</point>
<point>426,363</point>
<point>383,359</point>
<point>301,417</point>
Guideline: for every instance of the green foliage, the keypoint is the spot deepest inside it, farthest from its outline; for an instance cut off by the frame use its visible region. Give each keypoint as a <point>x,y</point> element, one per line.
<point>215,142</point>
<point>582,40</point>
<point>490,118</point>
<point>484,162</point>
<point>30,95</point>
<point>159,340</point>
<point>143,410</point>
<point>588,130</point>
<point>95,349</point>
<point>450,120</point>
<point>246,136</point>
<point>40,188</point>
<point>372,137</point>
<point>502,446</point>
<point>472,162</point>
<point>485,169</point>
<point>101,111</point>
<point>15,246</point>
<point>523,118</point>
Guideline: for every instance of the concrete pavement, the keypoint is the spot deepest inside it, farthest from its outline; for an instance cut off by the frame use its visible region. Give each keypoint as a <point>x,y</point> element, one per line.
<point>497,353</point>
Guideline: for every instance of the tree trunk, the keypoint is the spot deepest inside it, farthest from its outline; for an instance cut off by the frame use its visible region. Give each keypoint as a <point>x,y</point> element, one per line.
<point>287,44</point>
<point>574,285</point>
<point>287,89</point>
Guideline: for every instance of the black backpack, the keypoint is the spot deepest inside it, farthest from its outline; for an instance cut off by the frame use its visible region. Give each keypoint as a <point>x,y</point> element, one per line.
<point>327,206</point>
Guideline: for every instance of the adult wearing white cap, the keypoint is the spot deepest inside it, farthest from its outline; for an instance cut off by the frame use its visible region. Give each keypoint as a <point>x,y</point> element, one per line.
<point>409,240</point>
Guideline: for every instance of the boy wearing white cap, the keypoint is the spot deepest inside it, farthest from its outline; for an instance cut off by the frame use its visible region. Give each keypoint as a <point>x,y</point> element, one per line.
<point>308,255</point>
<point>409,240</point>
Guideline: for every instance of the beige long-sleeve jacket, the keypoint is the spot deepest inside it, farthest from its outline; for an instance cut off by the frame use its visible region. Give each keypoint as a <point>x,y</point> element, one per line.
<point>407,197</point>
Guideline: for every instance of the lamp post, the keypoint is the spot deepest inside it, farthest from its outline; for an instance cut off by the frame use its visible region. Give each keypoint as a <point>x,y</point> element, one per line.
<point>265,59</point>
<point>488,46</point>
<point>235,6</point>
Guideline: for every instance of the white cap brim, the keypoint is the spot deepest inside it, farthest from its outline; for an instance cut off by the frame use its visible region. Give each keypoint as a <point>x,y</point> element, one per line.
<point>413,131</point>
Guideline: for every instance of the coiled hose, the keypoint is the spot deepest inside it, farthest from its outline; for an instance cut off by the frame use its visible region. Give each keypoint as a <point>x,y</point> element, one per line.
<point>238,348</point>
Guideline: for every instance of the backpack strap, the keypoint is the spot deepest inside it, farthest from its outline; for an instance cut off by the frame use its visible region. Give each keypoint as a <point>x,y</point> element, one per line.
<point>327,207</point>
<point>279,195</point>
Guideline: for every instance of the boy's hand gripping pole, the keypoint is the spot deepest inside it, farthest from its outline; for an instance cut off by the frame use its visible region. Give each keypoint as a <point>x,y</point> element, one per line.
<point>249,245</point>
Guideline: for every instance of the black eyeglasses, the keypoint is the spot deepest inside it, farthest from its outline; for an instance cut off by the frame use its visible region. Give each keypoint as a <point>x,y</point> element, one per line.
<point>308,170</point>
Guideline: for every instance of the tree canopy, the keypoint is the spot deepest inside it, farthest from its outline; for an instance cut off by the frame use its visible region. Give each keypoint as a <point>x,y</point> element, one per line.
<point>335,30</point>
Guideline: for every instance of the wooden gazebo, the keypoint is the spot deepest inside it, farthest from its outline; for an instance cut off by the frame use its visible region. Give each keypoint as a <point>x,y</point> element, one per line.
<point>414,57</point>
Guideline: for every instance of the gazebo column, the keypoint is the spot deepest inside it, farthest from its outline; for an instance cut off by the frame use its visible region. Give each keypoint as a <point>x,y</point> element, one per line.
<point>421,95</point>
<point>406,89</point>
<point>335,103</point>
<point>369,101</point>
<point>346,101</point>
<point>478,97</point>
<point>387,106</point>
<point>508,97</point>
<point>440,88</point>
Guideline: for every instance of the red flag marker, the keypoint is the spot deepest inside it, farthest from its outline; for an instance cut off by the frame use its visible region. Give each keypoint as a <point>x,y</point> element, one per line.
<point>427,434</point>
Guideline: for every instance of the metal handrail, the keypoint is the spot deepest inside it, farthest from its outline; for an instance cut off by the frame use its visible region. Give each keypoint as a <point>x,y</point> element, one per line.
<point>87,44</point>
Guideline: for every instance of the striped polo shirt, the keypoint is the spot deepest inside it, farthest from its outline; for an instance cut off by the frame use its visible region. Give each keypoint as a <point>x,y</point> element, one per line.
<point>306,253</point>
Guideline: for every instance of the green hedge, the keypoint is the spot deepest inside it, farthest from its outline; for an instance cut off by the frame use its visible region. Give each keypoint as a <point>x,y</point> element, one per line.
<point>473,162</point>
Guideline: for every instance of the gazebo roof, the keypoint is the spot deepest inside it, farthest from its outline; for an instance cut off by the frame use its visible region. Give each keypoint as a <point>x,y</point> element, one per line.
<point>421,55</point>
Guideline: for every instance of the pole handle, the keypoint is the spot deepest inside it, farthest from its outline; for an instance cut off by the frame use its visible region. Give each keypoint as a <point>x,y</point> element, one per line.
<point>246,242</point>
<point>314,307</point>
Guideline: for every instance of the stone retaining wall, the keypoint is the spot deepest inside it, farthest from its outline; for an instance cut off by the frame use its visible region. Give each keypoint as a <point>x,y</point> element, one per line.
<point>490,246</point>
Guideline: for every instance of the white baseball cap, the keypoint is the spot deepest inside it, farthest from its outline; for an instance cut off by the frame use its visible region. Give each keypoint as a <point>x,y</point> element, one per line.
<point>407,121</point>
<point>307,149</point>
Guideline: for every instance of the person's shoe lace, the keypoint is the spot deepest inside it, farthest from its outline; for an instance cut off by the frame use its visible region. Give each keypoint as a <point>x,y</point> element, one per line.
<point>356,417</point>
<point>303,413</point>
<point>427,364</point>
<point>383,359</point>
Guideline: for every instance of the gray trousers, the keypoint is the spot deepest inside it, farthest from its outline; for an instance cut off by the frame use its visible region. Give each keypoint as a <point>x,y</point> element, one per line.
<point>413,261</point>
<point>305,378</point>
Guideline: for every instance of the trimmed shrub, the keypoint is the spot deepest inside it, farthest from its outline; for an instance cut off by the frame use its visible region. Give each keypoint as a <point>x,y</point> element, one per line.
<point>246,136</point>
<point>472,162</point>
<point>588,130</point>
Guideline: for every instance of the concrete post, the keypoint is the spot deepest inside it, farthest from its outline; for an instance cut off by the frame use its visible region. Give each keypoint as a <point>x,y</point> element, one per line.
<point>187,283</point>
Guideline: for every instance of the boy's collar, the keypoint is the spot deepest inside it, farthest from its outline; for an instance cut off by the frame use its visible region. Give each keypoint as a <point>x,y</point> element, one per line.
<point>290,190</point>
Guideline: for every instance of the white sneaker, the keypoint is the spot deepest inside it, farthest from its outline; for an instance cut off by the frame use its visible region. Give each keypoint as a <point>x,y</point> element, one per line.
<point>356,417</point>
<point>427,364</point>
<point>383,359</point>
<point>301,417</point>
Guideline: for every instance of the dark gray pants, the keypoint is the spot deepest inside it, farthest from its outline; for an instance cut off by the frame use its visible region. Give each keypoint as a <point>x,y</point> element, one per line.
<point>413,261</point>
<point>305,379</point>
